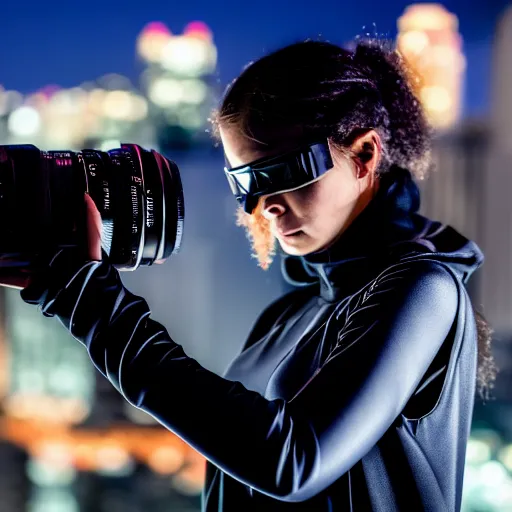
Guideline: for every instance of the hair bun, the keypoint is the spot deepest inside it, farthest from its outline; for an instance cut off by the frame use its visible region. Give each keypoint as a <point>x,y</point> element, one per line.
<point>386,68</point>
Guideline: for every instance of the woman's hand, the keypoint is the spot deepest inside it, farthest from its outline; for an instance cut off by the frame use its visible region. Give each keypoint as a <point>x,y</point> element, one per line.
<point>20,278</point>
<point>94,228</point>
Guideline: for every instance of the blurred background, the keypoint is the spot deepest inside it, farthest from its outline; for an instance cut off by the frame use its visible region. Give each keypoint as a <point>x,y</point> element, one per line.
<point>95,74</point>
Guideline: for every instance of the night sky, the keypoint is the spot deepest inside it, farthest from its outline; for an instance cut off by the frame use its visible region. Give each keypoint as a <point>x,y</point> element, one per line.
<point>66,43</point>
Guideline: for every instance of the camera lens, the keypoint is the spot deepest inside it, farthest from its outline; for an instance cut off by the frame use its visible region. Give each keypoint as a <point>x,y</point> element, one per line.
<point>138,194</point>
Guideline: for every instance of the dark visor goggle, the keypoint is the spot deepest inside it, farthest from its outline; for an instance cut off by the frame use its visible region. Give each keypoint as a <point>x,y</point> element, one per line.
<point>282,173</point>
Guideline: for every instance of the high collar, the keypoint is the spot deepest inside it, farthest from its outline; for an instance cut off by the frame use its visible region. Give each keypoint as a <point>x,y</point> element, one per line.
<point>388,219</point>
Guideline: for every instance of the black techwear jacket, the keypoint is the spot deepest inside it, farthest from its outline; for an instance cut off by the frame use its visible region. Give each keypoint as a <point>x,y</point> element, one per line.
<point>354,392</point>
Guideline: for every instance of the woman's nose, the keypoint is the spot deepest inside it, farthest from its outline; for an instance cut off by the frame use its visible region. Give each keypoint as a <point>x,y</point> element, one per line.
<point>273,206</point>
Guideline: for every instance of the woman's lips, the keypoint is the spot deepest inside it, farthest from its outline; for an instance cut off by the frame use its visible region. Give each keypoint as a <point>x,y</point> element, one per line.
<point>289,232</point>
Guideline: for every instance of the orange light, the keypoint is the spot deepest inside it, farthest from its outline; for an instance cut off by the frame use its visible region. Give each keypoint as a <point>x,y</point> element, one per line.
<point>431,46</point>
<point>57,454</point>
<point>84,456</point>
<point>190,480</point>
<point>112,457</point>
<point>156,28</point>
<point>198,29</point>
<point>166,460</point>
<point>106,449</point>
<point>152,40</point>
<point>47,408</point>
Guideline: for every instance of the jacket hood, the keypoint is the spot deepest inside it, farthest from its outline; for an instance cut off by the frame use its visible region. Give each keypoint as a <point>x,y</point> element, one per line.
<point>389,227</point>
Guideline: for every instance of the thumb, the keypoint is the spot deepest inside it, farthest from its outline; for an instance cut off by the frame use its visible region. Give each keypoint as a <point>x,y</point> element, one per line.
<point>94,227</point>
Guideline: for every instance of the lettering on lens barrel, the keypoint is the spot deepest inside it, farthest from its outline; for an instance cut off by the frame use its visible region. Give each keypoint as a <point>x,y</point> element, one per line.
<point>150,209</point>
<point>135,207</point>
<point>106,196</point>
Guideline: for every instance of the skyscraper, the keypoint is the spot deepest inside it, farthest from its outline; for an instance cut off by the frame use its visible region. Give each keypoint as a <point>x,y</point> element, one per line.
<point>430,42</point>
<point>501,88</point>
<point>497,232</point>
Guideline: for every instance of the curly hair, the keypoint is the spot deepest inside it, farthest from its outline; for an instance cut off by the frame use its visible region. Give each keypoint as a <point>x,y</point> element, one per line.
<point>326,91</point>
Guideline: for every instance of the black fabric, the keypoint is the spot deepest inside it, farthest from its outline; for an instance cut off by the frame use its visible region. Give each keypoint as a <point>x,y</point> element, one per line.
<point>354,392</point>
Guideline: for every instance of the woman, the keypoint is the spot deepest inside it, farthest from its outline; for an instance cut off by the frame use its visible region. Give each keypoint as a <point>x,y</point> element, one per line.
<point>355,391</point>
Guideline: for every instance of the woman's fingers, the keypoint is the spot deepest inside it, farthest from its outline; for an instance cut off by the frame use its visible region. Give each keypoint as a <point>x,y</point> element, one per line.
<point>94,227</point>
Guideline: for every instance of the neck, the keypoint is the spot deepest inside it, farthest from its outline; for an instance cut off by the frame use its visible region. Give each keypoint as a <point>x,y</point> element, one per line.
<point>385,219</point>
<point>365,198</point>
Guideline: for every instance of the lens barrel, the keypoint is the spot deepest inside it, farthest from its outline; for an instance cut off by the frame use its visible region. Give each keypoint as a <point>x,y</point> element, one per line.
<point>138,194</point>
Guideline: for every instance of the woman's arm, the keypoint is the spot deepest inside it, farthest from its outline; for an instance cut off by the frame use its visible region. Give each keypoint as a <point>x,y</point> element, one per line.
<point>288,450</point>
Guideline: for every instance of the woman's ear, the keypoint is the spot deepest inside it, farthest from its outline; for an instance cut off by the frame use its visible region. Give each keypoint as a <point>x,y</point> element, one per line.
<point>367,149</point>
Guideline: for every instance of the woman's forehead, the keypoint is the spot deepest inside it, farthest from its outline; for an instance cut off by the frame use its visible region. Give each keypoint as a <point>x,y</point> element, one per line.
<point>241,149</point>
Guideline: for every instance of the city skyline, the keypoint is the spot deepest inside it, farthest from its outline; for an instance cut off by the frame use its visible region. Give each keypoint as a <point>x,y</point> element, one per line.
<point>65,45</point>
